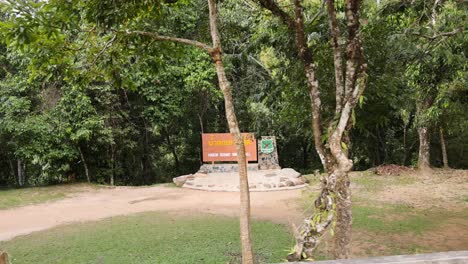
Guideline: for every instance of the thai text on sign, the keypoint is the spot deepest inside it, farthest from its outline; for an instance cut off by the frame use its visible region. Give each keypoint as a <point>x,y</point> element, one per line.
<point>221,147</point>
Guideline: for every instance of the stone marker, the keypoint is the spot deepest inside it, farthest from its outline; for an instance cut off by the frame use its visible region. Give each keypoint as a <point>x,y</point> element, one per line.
<point>268,154</point>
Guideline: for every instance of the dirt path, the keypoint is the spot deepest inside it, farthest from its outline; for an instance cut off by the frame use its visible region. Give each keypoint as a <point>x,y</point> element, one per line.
<point>280,206</point>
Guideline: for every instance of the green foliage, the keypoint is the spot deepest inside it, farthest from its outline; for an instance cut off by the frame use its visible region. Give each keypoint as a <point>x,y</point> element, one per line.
<point>72,79</point>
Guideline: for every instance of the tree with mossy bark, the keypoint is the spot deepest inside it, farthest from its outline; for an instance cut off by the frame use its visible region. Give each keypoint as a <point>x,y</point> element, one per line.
<point>331,139</point>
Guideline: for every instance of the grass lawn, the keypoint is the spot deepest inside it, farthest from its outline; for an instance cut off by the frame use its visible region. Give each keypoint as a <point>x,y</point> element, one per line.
<point>150,238</point>
<point>32,195</point>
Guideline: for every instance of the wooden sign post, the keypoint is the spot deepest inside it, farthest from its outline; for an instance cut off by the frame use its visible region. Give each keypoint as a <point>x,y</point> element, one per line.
<point>3,258</point>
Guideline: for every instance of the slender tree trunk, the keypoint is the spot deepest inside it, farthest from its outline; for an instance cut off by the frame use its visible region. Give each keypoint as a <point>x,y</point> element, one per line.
<point>112,166</point>
<point>85,165</point>
<point>215,52</point>
<point>423,158</point>
<point>200,119</point>
<point>173,151</point>
<point>12,168</point>
<point>443,148</point>
<point>202,130</point>
<point>20,173</point>
<point>305,160</point>
<point>144,157</point>
<point>404,146</point>
<point>245,232</point>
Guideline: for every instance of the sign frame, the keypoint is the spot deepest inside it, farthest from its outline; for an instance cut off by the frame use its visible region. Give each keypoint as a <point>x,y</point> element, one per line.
<point>219,147</point>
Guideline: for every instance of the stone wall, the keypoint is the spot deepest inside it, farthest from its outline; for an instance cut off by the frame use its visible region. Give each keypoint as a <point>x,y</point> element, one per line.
<point>225,167</point>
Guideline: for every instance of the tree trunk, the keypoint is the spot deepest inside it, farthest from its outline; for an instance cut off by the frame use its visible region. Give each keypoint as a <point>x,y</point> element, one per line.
<point>423,158</point>
<point>173,151</point>
<point>145,166</point>
<point>112,166</point>
<point>305,160</point>
<point>383,146</point>
<point>12,168</point>
<point>21,178</point>
<point>215,52</point>
<point>342,236</point>
<point>443,148</point>
<point>245,232</point>
<point>202,130</point>
<point>200,119</point>
<point>4,258</point>
<point>404,146</point>
<point>85,165</point>
<point>350,82</point>
<point>19,173</point>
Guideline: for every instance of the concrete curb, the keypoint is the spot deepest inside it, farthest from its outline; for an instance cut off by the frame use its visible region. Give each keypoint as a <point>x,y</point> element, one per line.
<point>251,190</point>
<point>452,257</point>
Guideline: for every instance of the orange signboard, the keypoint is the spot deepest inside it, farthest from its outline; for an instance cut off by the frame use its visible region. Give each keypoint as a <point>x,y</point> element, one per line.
<point>220,147</point>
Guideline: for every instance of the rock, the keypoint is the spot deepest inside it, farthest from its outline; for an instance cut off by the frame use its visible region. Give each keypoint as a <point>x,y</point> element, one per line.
<point>253,187</point>
<point>188,183</point>
<point>299,181</point>
<point>266,185</point>
<point>283,179</point>
<point>281,185</point>
<point>289,183</point>
<point>270,175</point>
<point>211,186</point>
<point>199,174</point>
<point>179,181</point>
<point>288,172</point>
<point>190,177</point>
<point>198,185</point>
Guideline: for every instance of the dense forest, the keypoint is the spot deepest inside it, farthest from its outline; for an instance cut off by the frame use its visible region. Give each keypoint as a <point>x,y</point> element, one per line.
<point>84,96</point>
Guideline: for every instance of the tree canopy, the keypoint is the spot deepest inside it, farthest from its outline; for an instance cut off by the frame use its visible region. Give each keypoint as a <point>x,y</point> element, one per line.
<point>79,86</point>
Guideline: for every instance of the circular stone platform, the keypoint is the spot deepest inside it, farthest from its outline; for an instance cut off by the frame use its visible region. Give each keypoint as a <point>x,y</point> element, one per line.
<point>259,180</point>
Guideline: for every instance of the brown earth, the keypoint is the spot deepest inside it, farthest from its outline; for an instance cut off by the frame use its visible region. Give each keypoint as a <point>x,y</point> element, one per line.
<point>430,189</point>
<point>280,207</point>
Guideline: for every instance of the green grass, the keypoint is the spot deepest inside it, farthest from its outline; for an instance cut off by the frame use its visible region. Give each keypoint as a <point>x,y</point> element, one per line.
<point>392,219</point>
<point>150,238</point>
<point>372,182</point>
<point>313,179</point>
<point>10,198</point>
<point>166,184</point>
<point>464,198</point>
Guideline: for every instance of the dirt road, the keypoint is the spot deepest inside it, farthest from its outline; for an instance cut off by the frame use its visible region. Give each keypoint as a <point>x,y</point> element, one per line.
<point>280,206</point>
